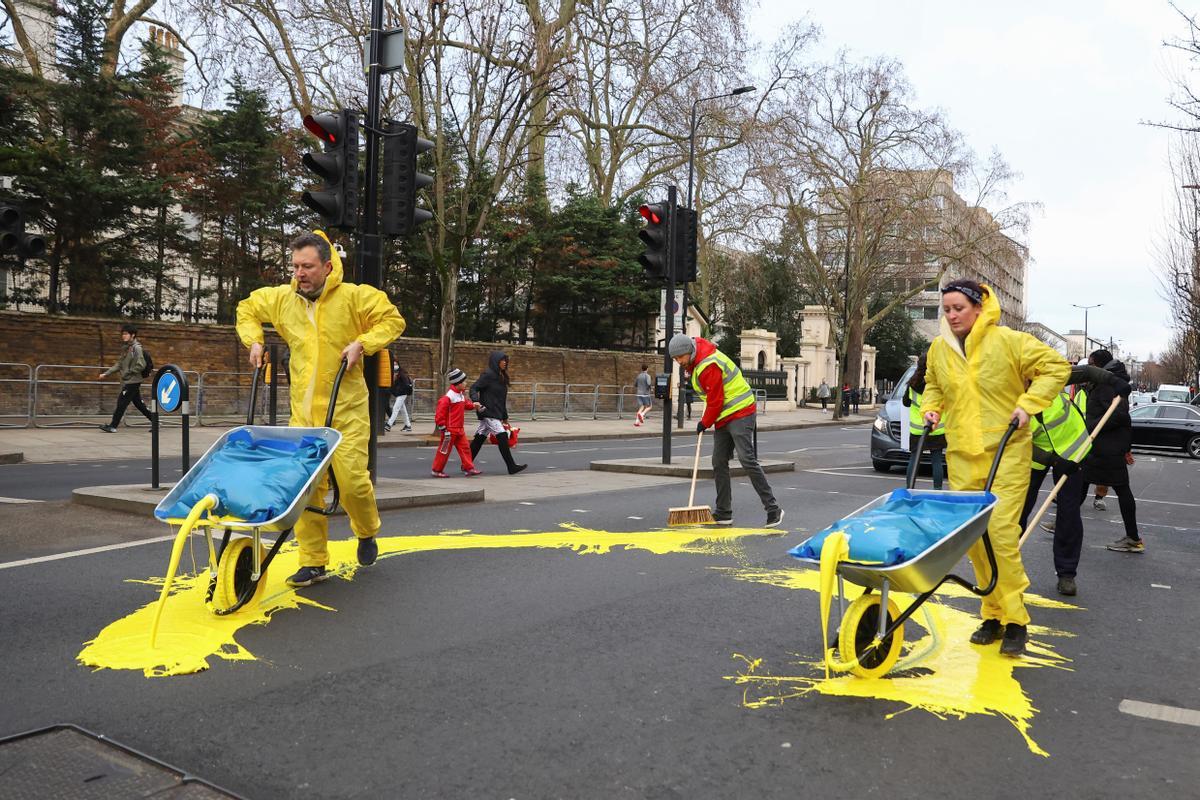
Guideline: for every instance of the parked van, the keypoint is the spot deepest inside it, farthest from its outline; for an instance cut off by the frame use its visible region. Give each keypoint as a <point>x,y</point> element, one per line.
<point>886,448</point>
<point>1173,393</point>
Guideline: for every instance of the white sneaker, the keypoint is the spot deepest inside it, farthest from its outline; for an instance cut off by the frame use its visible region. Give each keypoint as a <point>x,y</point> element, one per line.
<point>1098,504</point>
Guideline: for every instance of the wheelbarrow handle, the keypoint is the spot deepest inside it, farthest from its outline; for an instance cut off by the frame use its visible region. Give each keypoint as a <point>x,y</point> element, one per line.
<point>337,384</point>
<point>914,459</point>
<point>1012,427</point>
<point>254,379</point>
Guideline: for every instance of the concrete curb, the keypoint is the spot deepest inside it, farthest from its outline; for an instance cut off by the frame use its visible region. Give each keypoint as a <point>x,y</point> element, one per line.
<point>652,466</point>
<point>390,494</point>
<point>428,440</point>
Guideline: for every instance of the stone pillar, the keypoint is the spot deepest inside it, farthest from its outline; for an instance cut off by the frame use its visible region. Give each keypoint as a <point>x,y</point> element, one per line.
<point>757,341</point>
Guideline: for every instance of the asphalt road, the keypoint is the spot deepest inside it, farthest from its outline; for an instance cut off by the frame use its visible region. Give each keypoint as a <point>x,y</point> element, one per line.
<point>540,673</point>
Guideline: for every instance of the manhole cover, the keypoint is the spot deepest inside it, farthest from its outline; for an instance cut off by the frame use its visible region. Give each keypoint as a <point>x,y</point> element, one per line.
<point>65,761</point>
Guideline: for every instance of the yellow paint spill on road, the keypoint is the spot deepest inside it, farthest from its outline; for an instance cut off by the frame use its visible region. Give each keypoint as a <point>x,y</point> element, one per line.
<point>190,635</point>
<point>956,679</point>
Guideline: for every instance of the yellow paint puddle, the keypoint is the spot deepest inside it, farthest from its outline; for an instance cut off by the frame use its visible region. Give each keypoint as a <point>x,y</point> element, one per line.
<point>955,679</point>
<point>189,635</point>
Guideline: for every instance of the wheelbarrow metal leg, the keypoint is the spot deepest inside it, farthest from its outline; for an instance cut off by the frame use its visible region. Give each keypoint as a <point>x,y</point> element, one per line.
<point>883,606</point>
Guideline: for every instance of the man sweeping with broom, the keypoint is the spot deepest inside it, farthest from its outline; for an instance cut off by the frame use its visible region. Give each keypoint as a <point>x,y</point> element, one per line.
<point>729,410</point>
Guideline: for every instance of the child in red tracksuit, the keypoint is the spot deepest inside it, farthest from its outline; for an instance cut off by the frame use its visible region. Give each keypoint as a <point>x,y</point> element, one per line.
<point>451,408</point>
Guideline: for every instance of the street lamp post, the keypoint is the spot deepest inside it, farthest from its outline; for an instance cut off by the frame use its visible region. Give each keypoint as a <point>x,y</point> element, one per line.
<point>691,204</point>
<point>1086,309</point>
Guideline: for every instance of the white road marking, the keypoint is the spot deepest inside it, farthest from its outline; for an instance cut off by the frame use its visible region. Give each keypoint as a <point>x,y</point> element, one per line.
<point>18,500</point>
<point>527,503</point>
<point>836,447</point>
<point>579,511</point>
<point>89,551</point>
<point>634,518</point>
<point>1181,716</point>
<point>1159,586</point>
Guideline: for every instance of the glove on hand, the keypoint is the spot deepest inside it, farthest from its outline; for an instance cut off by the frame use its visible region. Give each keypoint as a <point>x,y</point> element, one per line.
<point>440,428</point>
<point>1065,466</point>
<point>700,426</point>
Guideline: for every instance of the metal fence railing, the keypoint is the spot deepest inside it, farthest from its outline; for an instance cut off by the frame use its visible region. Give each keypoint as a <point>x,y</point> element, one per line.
<point>70,395</point>
<point>16,395</point>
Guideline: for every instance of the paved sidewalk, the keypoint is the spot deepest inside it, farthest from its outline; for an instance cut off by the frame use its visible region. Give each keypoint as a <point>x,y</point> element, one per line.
<point>44,445</point>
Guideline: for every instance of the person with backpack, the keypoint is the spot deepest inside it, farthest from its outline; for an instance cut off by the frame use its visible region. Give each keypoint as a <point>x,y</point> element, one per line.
<point>402,389</point>
<point>133,365</point>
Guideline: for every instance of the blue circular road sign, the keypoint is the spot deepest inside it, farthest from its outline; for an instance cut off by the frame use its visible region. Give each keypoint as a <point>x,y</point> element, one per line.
<point>167,393</point>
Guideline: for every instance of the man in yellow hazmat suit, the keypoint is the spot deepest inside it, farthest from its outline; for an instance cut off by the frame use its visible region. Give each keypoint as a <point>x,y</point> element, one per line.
<point>324,320</point>
<point>980,377</point>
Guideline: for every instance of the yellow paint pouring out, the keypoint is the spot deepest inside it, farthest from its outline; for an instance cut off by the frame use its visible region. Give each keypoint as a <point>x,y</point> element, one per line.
<point>955,679</point>
<point>189,635</point>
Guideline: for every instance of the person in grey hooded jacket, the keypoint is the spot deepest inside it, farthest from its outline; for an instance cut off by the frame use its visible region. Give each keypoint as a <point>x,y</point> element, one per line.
<point>129,366</point>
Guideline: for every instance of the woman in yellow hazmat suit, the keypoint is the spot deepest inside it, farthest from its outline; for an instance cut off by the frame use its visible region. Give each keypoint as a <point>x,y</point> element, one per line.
<point>324,319</point>
<point>980,377</point>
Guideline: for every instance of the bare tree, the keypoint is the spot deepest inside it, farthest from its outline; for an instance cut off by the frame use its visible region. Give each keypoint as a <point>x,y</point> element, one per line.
<point>871,188</point>
<point>1178,253</point>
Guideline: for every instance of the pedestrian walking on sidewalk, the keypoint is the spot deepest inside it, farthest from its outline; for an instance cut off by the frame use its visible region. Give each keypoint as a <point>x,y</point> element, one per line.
<point>729,409</point>
<point>490,393</point>
<point>402,389</point>
<point>823,394</point>
<point>1108,463</point>
<point>854,398</point>
<point>642,390</point>
<point>845,399</point>
<point>132,367</point>
<point>451,409</point>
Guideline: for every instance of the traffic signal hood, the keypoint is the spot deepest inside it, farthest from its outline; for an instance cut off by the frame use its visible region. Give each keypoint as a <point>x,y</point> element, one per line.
<point>684,227</point>
<point>14,241</point>
<point>337,167</point>
<point>401,180</point>
<point>656,258</point>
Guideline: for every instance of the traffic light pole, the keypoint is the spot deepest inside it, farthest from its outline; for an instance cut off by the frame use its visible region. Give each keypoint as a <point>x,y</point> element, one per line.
<point>669,318</point>
<point>370,253</point>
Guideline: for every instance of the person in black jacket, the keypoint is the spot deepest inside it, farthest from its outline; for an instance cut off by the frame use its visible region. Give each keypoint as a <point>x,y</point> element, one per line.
<point>1108,462</point>
<point>490,391</point>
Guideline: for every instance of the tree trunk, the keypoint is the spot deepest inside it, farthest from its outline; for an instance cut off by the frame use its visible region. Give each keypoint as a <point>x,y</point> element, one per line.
<point>446,329</point>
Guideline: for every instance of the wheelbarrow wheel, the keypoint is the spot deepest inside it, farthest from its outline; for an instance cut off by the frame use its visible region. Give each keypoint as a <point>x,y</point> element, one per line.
<point>857,634</point>
<point>234,572</point>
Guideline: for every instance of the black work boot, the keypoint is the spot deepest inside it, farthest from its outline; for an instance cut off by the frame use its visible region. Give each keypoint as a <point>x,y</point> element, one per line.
<point>986,633</point>
<point>477,445</point>
<point>506,454</point>
<point>1014,640</point>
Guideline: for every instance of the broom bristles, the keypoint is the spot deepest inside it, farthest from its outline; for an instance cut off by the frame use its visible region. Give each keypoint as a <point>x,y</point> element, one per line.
<point>690,515</point>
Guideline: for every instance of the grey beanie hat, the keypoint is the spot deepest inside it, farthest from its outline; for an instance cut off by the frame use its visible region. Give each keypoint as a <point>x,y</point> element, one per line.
<point>456,376</point>
<point>681,344</point>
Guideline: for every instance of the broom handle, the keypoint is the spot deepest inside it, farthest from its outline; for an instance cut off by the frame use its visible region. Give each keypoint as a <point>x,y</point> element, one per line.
<point>1061,481</point>
<point>695,468</point>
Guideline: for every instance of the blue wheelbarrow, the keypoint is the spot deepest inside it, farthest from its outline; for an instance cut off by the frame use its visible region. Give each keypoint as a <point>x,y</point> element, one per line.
<point>906,541</point>
<point>254,480</point>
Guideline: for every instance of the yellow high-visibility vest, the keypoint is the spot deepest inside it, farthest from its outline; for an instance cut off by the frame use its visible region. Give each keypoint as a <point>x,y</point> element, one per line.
<point>738,393</point>
<point>916,422</point>
<point>1061,428</point>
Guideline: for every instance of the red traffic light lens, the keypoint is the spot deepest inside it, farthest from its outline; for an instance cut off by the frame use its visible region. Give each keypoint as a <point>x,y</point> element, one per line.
<point>317,129</point>
<point>650,214</point>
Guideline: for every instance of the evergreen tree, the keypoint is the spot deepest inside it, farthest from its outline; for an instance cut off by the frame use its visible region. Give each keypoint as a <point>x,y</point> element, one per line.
<point>896,341</point>
<point>246,197</point>
<point>83,164</point>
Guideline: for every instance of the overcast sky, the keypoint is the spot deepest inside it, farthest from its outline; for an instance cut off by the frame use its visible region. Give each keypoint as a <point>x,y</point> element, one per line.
<point>1060,89</point>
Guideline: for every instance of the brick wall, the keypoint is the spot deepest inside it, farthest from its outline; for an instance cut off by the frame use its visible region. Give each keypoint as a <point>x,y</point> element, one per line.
<point>39,339</point>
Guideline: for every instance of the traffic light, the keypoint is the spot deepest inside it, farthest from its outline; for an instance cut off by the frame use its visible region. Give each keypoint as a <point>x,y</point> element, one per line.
<point>14,241</point>
<point>401,146</point>
<point>685,245</point>
<point>658,224</point>
<point>337,167</point>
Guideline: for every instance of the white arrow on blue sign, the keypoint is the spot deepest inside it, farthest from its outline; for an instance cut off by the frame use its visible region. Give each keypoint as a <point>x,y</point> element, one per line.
<point>167,392</point>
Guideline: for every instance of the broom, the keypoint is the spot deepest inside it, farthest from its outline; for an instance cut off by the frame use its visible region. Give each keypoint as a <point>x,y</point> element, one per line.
<point>690,514</point>
<point>1054,493</point>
